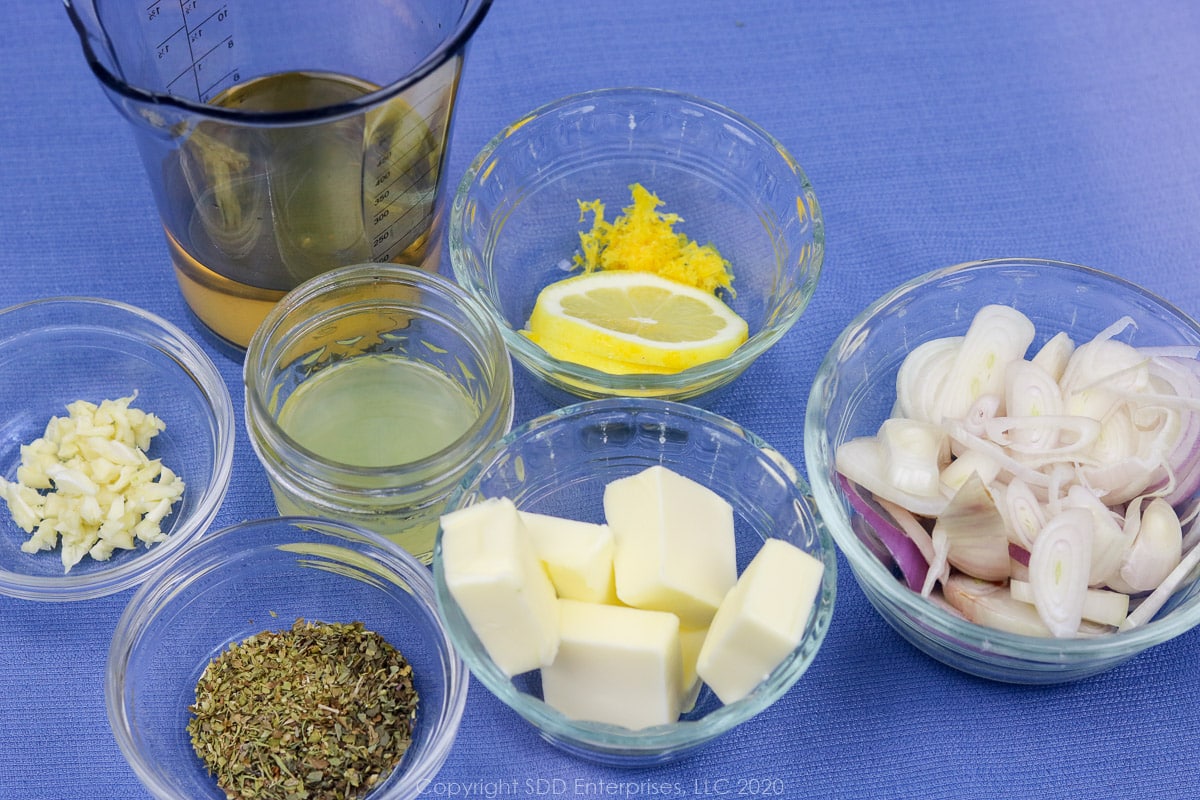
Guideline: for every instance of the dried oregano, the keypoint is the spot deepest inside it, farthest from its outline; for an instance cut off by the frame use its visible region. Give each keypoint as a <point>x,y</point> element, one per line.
<point>318,712</point>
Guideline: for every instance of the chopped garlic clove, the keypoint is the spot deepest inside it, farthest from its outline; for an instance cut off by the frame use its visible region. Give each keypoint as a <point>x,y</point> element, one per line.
<point>71,481</point>
<point>24,503</point>
<point>98,489</point>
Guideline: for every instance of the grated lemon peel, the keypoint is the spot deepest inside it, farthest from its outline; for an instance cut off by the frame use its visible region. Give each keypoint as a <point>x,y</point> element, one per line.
<point>642,239</point>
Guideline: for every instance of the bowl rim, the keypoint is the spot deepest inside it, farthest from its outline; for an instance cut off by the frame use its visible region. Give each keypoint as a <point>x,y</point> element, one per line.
<point>254,535</point>
<point>186,353</point>
<point>867,568</point>
<point>301,466</point>
<point>578,377</point>
<point>601,739</point>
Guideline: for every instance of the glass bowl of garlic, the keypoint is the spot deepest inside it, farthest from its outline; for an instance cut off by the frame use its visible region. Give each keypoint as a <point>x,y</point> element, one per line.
<point>116,448</point>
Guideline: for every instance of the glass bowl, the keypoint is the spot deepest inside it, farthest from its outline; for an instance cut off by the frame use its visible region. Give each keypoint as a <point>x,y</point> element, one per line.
<point>59,350</point>
<point>447,395</point>
<point>259,575</point>
<point>515,220</point>
<point>853,393</point>
<point>559,464</point>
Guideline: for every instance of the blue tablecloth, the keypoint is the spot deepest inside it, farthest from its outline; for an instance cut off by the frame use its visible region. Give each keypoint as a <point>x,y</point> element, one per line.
<point>934,133</point>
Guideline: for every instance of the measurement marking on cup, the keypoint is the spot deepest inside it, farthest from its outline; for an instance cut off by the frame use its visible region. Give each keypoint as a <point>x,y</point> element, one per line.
<point>220,15</point>
<point>413,180</point>
<point>187,7</point>
<point>187,73</point>
<point>415,218</point>
<point>199,38</point>
<point>232,76</point>
<point>226,42</point>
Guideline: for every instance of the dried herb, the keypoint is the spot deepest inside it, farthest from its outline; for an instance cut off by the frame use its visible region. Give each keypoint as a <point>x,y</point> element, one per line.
<point>317,712</point>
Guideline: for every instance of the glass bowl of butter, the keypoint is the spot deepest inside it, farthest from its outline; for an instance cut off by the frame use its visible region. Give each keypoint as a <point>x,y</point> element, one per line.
<point>634,577</point>
<point>116,446</point>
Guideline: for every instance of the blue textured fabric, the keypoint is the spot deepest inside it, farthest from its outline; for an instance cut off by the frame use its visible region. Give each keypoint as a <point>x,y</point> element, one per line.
<point>934,132</point>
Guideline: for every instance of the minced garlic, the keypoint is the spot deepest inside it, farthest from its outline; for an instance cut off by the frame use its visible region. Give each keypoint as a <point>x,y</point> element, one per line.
<point>88,483</point>
<point>644,240</point>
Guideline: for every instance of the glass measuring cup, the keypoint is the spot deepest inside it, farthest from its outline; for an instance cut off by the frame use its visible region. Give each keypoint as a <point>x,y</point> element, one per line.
<point>283,138</point>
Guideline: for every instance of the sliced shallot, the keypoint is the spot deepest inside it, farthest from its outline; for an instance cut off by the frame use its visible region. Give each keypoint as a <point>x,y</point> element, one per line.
<point>1058,570</point>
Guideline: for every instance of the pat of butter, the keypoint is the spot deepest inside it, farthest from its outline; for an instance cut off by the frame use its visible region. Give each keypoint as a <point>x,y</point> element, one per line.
<point>495,576</point>
<point>578,556</point>
<point>690,642</point>
<point>615,664</point>
<point>761,620</point>
<point>675,548</point>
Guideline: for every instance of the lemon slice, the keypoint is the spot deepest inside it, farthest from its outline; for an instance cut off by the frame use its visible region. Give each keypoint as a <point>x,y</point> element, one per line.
<point>627,322</point>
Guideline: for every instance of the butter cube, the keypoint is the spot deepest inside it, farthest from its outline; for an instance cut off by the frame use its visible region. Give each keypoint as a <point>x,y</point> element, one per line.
<point>690,642</point>
<point>495,576</point>
<point>577,555</point>
<point>675,547</point>
<point>615,664</point>
<point>760,621</point>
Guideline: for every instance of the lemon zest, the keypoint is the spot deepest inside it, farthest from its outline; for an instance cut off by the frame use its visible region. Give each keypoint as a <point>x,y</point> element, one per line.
<point>642,239</point>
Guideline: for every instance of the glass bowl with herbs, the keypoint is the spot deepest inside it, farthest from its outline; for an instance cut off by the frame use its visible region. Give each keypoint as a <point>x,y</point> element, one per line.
<point>281,657</point>
<point>1008,454</point>
<point>637,242</point>
<point>116,446</point>
<point>634,577</point>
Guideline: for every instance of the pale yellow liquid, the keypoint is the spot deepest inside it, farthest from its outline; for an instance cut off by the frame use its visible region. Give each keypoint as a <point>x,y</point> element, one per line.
<point>256,211</point>
<point>377,411</point>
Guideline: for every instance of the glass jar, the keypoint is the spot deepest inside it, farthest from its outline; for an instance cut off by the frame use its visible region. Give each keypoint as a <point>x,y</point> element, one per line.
<point>370,390</point>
